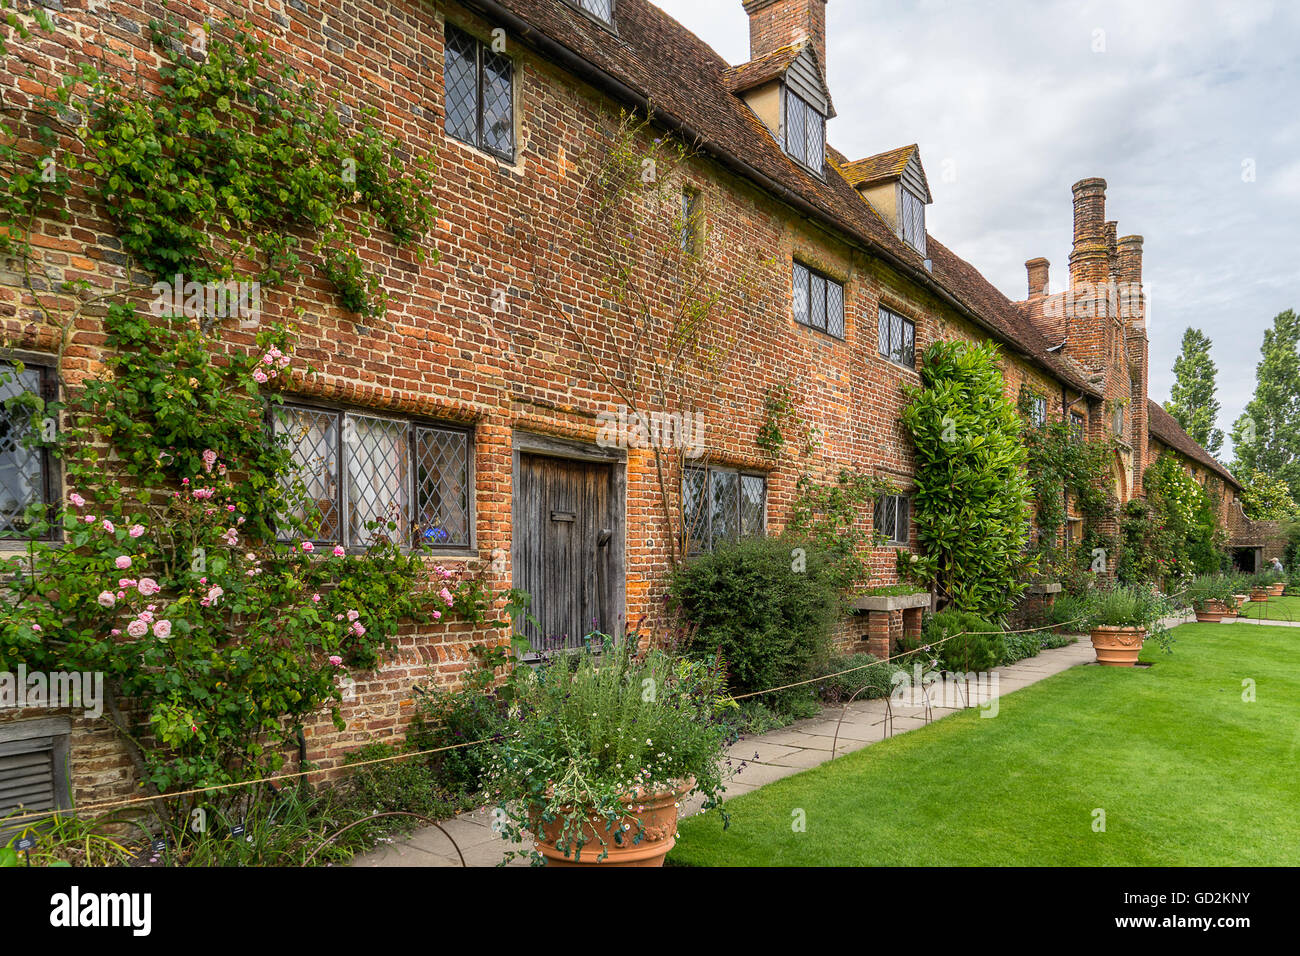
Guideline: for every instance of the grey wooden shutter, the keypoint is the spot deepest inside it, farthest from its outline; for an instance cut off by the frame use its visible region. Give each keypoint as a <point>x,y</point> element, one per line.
<point>33,769</point>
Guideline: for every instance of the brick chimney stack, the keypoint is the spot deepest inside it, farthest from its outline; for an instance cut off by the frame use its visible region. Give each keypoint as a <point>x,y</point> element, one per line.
<point>1128,273</point>
<point>1037,269</point>
<point>777,23</point>
<point>1090,257</point>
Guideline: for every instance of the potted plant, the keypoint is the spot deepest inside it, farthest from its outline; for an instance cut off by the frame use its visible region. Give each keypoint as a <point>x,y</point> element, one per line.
<point>608,745</point>
<point>1122,618</point>
<point>1259,587</point>
<point>1212,597</point>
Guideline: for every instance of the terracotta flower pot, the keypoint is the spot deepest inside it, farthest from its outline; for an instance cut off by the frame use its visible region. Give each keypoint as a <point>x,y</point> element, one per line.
<point>1211,612</point>
<point>1118,646</point>
<point>1240,600</point>
<point>1260,594</point>
<point>653,813</point>
<point>1276,589</point>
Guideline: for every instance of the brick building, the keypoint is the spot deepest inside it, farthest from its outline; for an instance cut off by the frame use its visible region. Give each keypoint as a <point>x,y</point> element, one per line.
<point>474,376</point>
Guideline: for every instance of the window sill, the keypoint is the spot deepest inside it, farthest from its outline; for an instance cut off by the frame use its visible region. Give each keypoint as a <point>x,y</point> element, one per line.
<point>515,166</point>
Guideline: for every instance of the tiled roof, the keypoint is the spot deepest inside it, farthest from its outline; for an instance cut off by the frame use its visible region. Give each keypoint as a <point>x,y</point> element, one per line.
<point>1165,428</point>
<point>653,58</point>
<point>763,70</point>
<point>879,168</point>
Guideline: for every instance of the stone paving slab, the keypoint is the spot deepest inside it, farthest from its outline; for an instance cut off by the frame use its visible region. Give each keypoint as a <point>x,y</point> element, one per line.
<point>782,753</point>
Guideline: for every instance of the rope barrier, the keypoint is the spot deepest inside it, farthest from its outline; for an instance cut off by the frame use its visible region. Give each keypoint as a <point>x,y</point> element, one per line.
<point>135,801</point>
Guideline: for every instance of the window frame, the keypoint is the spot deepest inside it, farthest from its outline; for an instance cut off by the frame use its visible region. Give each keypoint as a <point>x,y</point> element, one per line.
<point>52,734</point>
<point>910,358</point>
<point>480,140</point>
<point>810,110</point>
<point>51,477</point>
<point>412,424</point>
<point>581,7</point>
<point>827,281</point>
<point>878,511</point>
<point>910,200</point>
<point>1038,409</point>
<point>1078,426</point>
<point>703,543</point>
<point>692,234</point>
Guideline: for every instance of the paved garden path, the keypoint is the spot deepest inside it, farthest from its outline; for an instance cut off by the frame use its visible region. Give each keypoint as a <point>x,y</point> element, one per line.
<point>754,761</point>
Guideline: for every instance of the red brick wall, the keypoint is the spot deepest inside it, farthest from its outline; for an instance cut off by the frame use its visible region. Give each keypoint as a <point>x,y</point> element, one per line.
<point>444,353</point>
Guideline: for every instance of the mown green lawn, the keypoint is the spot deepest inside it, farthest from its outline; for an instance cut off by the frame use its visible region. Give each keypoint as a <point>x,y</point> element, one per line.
<point>1187,772</point>
<point>1274,609</point>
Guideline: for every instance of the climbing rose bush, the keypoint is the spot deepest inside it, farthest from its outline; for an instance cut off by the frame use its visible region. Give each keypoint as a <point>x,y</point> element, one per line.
<point>219,640</point>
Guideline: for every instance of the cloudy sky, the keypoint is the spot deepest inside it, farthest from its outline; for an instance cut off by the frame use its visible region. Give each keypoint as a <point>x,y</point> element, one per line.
<point>1189,110</point>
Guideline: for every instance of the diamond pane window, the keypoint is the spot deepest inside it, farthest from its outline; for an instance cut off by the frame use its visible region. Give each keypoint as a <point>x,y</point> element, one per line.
<point>897,338</point>
<point>479,86</point>
<point>815,140</point>
<point>893,518</point>
<point>415,477</point>
<point>753,505</point>
<point>600,9</point>
<point>313,442</point>
<point>835,309</point>
<point>722,505</point>
<point>26,476</point>
<point>441,486</point>
<point>913,220</point>
<point>379,478</point>
<point>796,117</point>
<point>694,485</point>
<point>818,301</point>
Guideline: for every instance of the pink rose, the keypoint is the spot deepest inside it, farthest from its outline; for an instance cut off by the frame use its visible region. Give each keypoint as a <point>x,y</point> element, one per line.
<point>336,660</point>
<point>259,377</point>
<point>36,628</point>
<point>89,519</point>
<point>358,629</point>
<point>353,615</point>
<point>215,593</point>
<point>137,628</point>
<point>162,630</point>
<point>148,587</point>
<point>146,616</point>
<point>209,459</point>
<point>106,599</point>
<point>338,551</point>
<point>447,599</point>
<point>308,547</point>
<point>108,526</point>
<point>116,632</point>
<point>136,530</point>
<point>315,598</point>
<point>123,562</point>
<point>437,615</point>
<point>76,499</point>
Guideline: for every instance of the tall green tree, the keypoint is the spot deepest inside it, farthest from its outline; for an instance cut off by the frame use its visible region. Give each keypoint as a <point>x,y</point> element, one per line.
<point>1264,498</point>
<point>1192,400</point>
<point>1267,435</point>
<point>971,503</point>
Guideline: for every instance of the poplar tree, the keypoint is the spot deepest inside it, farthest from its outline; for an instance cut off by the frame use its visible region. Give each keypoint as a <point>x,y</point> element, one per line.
<point>1267,435</point>
<point>1192,400</point>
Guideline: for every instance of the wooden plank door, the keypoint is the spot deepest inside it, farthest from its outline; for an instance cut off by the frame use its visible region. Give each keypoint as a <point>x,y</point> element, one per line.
<point>562,547</point>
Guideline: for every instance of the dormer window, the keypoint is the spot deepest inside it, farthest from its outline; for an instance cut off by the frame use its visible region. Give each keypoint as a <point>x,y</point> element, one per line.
<point>912,218</point>
<point>805,132</point>
<point>602,10</point>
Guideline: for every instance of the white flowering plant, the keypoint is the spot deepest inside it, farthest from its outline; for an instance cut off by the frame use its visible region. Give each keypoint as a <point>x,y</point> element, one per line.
<point>598,729</point>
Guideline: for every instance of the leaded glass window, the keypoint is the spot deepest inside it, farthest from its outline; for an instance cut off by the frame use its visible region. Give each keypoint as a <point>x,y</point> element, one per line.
<point>912,216</point>
<point>721,505</point>
<point>600,9</point>
<point>818,301</point>
<point>805,132</point>
<point>479,86</point>
<point>26,472</point>
<point>897,338</point>
<point>359,477</point>
<point>893,518</point>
